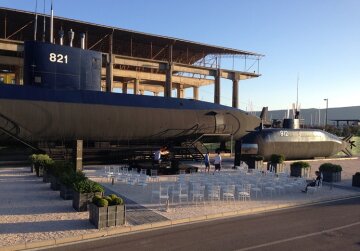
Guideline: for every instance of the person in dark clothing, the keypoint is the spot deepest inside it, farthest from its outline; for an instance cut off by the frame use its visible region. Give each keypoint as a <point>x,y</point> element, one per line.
<point>313,183</point>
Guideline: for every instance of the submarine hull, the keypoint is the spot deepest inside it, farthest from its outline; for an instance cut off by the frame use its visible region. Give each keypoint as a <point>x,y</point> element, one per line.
<point>41,114</point>
<point>294,144</point>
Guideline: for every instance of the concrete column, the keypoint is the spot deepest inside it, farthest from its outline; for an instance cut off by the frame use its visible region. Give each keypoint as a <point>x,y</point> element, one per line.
<point>168,82</point>
<point>217,88</point>
<point>235,94</point>
<point>109,66</point>
<point>124,87</point>
<point>18,75</point>
<point>196,93</point>
<point>180,91</point>
<point>78,155</point>
<point>136,86</point>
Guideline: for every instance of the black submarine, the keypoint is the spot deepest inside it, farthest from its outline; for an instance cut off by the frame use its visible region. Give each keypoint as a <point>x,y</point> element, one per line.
<point>292,142</point>
<point>61,100</point>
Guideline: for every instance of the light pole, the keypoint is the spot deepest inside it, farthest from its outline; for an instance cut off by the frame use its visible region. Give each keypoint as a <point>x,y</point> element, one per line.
<point>326,111</point>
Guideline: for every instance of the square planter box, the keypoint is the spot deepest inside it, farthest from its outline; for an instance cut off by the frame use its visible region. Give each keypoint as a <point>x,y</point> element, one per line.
<point>300,172</point>
<point>255,164</point>
<point>81,200</point>
<point>356,180</point>
<point>279,168</point>
<point>67,193</point>
<point>46,177</point>
<point>39,171</point>
<point>54,183</point>
<point>331,176</point>
<point>107,216</point>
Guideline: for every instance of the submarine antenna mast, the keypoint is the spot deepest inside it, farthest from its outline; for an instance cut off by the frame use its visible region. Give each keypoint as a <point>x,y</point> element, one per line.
<point>36,18</point>
<point>297,93</point>
<point>44,30</point>
<point>52,24</point>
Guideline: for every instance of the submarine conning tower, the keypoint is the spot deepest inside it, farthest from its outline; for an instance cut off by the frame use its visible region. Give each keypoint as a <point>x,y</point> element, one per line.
<point>291,123</point>
<point>61,67</point>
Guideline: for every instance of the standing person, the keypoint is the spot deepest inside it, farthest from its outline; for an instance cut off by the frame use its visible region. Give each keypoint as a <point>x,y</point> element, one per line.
<point>157,155</point>
<point>217,162</point>
<point>207,162</point>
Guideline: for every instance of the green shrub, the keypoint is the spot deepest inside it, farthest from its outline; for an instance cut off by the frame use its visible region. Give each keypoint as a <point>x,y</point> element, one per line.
<point>113,196</point>
<point>68,178</point>
<point>111,200</point>
<point>33,158</point>
<point>41,160</point>
<point>300,164</point>
<point>277,158</point>
<point>257,157</point>
<point>108,198</point>
<point>87,186</point>
<point>117,201</point>
<point>96,198</point>
<point>329,167</point>
<point>101,202</point>
<point>60,167</point>
<point>96,187</point>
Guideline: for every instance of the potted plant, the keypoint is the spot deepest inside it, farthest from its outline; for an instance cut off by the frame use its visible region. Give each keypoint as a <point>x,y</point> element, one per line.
<point>56,171</point>
<point>300,169</point>
<point>32,159</point>
<point>107,211</point>
<point>67,179</point>
<point>255,162</point>
<point>276,163</point>
<point>331,172</point>
<point>356,180</point>
<point>84,191</point>
<point>41,161</point>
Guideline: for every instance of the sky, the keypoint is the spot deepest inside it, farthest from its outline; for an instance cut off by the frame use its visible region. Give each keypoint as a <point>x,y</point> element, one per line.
<point>313,42</point>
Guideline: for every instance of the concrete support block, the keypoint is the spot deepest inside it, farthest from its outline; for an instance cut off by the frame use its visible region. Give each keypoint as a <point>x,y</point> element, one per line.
<point>196,93</point>
<point>124,88</point>
<point>180,91</point>
<point>235,94</point>
<point>217,87</point>
<point>168,82</point>
<point>78,155</point>
<point>136,86</point>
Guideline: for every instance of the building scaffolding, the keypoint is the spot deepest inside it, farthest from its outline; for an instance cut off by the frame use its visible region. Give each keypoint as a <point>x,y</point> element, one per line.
<point>132,60</point>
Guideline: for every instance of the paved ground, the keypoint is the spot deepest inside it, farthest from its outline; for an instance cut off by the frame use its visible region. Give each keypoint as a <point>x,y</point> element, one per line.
<point>30,211</point>
<point>330,226</point>
<point>137,214</point>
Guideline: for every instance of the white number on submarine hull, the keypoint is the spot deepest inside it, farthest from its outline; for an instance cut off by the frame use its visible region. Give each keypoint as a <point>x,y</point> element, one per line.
<point>284,133</point>
<point>58,58</point>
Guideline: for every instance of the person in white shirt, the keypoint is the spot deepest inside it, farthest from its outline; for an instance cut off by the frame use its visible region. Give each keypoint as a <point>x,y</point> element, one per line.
<point>157,156</point>
<point>158,153</point>
<point>217,162</point>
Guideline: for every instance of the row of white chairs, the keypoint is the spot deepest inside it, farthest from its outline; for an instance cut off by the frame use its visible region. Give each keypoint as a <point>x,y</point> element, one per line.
<point>197,193</point>
<point>129,176</point>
